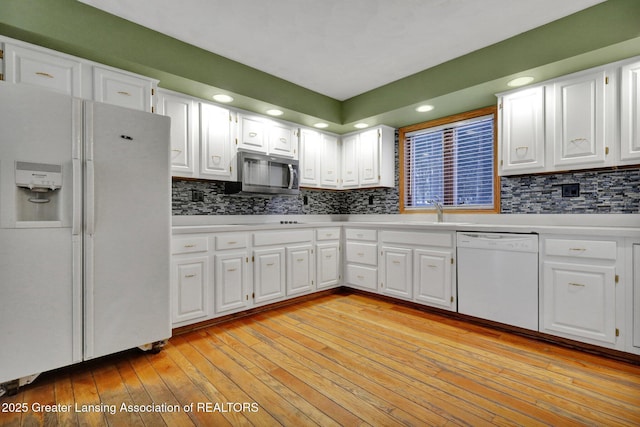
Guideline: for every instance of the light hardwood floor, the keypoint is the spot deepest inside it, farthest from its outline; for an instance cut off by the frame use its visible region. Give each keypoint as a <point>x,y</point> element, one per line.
<point>341,359</point>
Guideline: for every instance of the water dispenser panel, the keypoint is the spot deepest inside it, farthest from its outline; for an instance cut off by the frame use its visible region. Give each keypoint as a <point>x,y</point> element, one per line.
<point>38,175</point>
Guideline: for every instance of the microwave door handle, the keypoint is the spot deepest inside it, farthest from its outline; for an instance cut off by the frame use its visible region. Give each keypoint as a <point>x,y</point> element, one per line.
<point>290,176</point>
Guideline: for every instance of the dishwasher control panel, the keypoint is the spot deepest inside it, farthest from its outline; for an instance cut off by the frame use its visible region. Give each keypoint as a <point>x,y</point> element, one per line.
<point>498,241</point>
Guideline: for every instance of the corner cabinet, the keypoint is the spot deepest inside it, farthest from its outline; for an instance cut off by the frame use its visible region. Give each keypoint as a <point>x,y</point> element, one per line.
<point>368,158</point>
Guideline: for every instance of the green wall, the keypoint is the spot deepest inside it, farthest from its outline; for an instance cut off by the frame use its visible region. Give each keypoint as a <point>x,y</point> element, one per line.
<point>604,33</point>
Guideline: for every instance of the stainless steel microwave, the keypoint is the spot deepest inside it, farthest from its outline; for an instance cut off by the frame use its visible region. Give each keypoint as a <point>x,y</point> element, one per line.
<point>264,174</point>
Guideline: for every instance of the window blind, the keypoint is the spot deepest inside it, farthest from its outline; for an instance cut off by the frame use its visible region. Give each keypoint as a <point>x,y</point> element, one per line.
<point>450,164</point>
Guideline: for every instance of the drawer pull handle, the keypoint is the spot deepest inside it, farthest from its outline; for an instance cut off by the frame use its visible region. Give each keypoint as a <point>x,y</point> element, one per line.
<point>187,276</point>
<point>233,242</point>
<point>43,74</point>
<point>360,235</point>
<point>253,134</point>
<point>216,159</point>
<point>123,93</point>
<point>231,269</point>
<point>360,277</point>
<point>360,254</point>
<point>396,262</point>
<point>269,264</point>
<point>576,284</point>
<point>283,139</point>
<point>432,266</point>
<point>578,140</point>
<point>577,249</point>
<point>189,246</point>
<point>328,256</point>
<point>176,150</point>
<point>300,259</point>
<point>328,235</point>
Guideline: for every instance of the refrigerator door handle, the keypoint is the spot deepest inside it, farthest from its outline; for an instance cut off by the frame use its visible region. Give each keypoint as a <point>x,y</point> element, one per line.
<point>90,199</point>
<point>76,225</point>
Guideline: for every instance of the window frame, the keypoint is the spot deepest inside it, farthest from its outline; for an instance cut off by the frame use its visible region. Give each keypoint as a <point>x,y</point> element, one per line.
<point>486,111</point>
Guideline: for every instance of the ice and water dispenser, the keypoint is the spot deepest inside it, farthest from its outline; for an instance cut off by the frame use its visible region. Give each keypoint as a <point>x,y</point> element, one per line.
<point>37,196</point>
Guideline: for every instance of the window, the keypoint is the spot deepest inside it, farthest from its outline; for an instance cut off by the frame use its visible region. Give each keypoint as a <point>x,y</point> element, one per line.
<point>450,161</point>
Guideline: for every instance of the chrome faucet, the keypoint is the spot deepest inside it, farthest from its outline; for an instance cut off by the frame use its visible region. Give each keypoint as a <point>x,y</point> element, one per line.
<point>439,210</point>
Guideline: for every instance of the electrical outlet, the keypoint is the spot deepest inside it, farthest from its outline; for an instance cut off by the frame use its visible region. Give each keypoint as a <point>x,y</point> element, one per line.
<point>197,196</point>
<point>571,190</point>
<point>370,200</point>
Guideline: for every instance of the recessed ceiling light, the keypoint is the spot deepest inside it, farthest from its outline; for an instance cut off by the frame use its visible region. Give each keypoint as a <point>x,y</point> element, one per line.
<point>520,81</point>
<point>222,98</point>
<point>360,125</point>
<point>275,112</point>
<point>321,125</point>
<point>424,108</point>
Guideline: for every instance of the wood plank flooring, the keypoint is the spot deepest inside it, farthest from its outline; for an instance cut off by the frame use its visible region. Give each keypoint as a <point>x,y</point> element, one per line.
<point>339,360</point>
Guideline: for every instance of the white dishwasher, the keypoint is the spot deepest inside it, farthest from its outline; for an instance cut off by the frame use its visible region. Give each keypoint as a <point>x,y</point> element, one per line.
<point>498,277</point>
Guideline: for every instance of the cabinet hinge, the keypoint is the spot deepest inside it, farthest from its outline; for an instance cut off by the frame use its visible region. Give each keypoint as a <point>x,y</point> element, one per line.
<point>501,162</point>
<point>230,118</point>
<point>236,141</point>
<point>1,53</point>
<point>617,332</point>
<point>606,151</point>
<point>1,76</point>
<point>153,109</point>
<point>606,80</point>
<point>247,297</point>
<point>452,299</point>
<point>452,262</point>
<point>230,168</point>
<point>253,259</point>
<point>617,278</point>
<point>253,295</point>
<point>153,92</point>
<point>381,285</point>
<point>500,106</point>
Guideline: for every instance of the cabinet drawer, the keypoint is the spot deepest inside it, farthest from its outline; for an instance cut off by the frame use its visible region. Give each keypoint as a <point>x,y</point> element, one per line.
<point>189,245</point>
<point>328,233</point>
<point>282,237</point>
<point>362,253</point>
<point>417,238</point>
<point>361,234</point>
<point>231,241</point>
<point>593,249</point>
<point>365,277</point>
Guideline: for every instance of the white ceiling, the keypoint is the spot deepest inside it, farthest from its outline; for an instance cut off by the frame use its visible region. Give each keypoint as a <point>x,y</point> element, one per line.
<point>341,48</point>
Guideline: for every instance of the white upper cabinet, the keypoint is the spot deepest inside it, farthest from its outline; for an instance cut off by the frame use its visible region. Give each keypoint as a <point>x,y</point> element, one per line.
<point>630,113</point>
<point>123,89</point>
<point>184,119</point>
<point>310,152</point>
<point>283,140</point>
<point>584,120</point>
<point>577,125</point>
<point>216,140</point>
<point>252,134</point>
<point>521,131</point>
<point>46,69</point>
<point>330,161</point>
<point>368,158</point>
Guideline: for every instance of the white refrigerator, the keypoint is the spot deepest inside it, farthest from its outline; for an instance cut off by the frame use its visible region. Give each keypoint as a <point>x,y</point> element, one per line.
<point>85,200</point>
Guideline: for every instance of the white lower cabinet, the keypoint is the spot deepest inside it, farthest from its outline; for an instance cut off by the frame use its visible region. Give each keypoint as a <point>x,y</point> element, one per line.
<point>231,292</point>
<point>361,259</point>
<point>268,275</point>
<point>578,293</point>
<point>191,282</point>
<point>419,266</point>
<point>328,265</point>
<point>300,262</point>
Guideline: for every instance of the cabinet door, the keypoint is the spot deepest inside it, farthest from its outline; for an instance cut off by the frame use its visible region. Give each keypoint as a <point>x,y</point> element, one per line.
<point>579,302</point>
<point>124,90</point>
<point>350,178</point>
<point>521,136</point>
<point>52,72</point>
<point>231,282</point>
<point>283,140</point>
<point>328,264</point>
<point>396,274</point>
<point>269,275</point>
<point>329,162</point>
<point>215,143</point>
<point>433,278</point>
<point>252,134</point>
<point>579,121</point>
<point>190,298</point>
<point>182,111</point>
<point>630,113</point>
<point>309,158</point>
<point>369,158</point>
<point>300,269</point>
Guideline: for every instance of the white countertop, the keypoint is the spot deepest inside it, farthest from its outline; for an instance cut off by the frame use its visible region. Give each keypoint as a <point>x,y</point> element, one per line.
<point>614,225</point>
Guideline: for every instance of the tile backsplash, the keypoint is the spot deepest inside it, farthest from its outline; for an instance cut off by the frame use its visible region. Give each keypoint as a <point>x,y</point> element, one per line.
<point>601,192</point>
